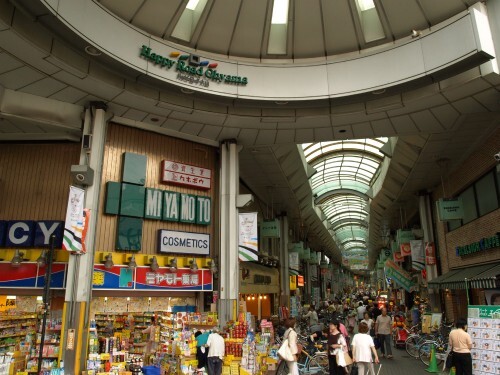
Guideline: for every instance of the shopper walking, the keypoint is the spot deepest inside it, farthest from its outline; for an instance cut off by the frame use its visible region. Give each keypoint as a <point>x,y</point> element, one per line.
<point>369,322</point>
<point>215,356</point>
<point>336,342</point>
<point>152,343</point>
<point>362,350</point>
<point>291,335</point>
<point>383,330</point>
<point>460,343</point>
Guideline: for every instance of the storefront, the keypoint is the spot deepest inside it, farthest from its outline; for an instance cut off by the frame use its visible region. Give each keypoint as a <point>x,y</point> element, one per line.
<point>259,287</point>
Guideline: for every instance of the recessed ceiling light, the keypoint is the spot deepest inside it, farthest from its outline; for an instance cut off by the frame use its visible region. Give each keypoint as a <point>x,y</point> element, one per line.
<point>154,119</point>
<point>187,91</point>
<point>342,131</point>
<point>92,51</point>
<point>378,92</point>
<point>281,103</point>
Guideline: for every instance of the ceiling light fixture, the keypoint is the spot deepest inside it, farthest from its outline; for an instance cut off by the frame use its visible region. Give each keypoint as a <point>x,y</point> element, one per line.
<point>42,259</point>
<point>154,264</point>
<point>17,259</point>
<point>92,51</point>
<point>108,261</point>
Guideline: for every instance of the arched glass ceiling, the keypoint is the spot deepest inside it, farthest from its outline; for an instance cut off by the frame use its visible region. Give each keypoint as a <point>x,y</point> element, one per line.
<point>341,166</point>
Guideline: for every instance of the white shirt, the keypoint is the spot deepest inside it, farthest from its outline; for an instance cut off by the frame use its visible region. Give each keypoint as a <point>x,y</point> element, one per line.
<point>368,322</point>
<point>361,311</point>
<point>362,344</point>
<point>215,345</point>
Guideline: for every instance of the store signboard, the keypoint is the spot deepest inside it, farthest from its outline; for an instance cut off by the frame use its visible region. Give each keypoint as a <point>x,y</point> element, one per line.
<point>300,280</point>
<point>58,278</point>
<point>116,277</point>
<point>293,261</point>
<point>29,233</point>
<point>430,253</point>
<point>483,244</point>
<point>185,175</point>
<point>29,275</point>
<point>270,228</point>
<point>143,278</point>
<point>181,280</point>
<point>170,241</point>
<point>450,209</point>
<point>399,275</point>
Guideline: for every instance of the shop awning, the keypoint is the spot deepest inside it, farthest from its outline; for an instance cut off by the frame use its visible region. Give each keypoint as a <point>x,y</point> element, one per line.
<point>292,272</point>
<point>488,279</point>
<point>455,279</point>
<point>436,282</point>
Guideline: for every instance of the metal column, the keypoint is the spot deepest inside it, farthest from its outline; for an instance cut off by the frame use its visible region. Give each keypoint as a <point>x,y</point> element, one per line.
<point>80,267</point>
<point>229,264</point>
<point>284,264</point>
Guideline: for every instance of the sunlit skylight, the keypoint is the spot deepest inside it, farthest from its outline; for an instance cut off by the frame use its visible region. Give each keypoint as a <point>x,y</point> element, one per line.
<point>280,12</point>
<point>365,5</point>
<point>192,4</point>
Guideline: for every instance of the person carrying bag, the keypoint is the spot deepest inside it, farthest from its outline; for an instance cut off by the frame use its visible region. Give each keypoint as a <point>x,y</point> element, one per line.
<point>289,350</point>
<point>338,357</point>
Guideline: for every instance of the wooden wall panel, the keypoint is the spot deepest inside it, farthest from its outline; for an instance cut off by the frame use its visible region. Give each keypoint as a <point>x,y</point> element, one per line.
<point>35,180</point>
<point>156,147</point>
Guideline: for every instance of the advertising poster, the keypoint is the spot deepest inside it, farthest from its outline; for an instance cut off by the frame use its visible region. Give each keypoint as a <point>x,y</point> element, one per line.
<point>74,223</point>
<point>484,328</point>
<point>248,244</point>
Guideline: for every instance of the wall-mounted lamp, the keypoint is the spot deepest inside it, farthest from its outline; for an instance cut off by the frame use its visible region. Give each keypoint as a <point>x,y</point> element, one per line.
<point>212,264</point>
<point>194,266</point>
<point>108,261</point>
<point>42,259</point>
<point>154,264</point>
<point>17,259</point>
<point>132,263</point>
<point>172,265</point>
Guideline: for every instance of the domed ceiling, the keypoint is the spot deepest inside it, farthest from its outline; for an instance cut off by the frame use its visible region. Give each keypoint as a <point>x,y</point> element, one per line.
<point>284,29</point>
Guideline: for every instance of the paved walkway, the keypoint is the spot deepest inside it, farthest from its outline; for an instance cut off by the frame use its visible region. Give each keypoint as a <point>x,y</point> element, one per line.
<point>401,364</point>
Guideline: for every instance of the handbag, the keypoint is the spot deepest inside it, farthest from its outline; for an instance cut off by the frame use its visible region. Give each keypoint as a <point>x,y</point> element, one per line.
<point>354,369</point>
<point>343,359</point>
<point>449,360</point>
<point>285,352</point>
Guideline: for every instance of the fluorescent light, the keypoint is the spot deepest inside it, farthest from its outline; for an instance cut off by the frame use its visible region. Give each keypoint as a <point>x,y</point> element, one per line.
<point>11,297</point>
<point>280,12</point>
<point>192,4</point>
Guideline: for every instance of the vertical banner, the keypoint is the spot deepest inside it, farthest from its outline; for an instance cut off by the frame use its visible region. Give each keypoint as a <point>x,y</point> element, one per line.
<point>405,249</point>
<point>248,244</point>
<point>430,253</point>
<point>417,254</point>
<point>74,223</point>
<point>398,257</point>
<point>293,261</point>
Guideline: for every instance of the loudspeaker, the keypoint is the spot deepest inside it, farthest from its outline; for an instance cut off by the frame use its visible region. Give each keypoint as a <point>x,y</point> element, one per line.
<point>87,141</point>
<point>82,175</point>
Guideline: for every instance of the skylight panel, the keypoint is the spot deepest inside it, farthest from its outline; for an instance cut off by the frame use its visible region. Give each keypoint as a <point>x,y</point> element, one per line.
<point>280,12</point>
<point>279,28</point>
<point>188,20</point>
<point>370,21</point>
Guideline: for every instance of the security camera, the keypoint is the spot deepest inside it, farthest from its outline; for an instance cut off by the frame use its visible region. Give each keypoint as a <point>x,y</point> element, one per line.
<point>497,157</point>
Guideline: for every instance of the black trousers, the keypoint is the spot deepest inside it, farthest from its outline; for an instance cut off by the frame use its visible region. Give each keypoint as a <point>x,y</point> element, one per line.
<point>334,368</point>
<point>214,366</point>
<point>462,363</point>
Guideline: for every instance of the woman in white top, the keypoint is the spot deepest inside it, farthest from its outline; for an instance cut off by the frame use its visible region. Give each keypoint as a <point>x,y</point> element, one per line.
<point>369,321</point>
<point>362,350</point>
<point>291,335</point>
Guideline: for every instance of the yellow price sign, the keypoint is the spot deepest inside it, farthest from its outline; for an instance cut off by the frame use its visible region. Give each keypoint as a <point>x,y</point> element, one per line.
<point>98,278</point>
<point>7,303</point>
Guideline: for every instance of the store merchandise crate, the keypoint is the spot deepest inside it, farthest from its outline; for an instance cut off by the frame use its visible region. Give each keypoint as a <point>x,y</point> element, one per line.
<point>151,370</point>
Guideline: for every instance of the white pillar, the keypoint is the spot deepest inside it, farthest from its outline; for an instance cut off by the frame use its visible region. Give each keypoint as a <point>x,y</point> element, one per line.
<point>229,265</point>
<point>80,267</point>
<point>284,264</point>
